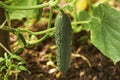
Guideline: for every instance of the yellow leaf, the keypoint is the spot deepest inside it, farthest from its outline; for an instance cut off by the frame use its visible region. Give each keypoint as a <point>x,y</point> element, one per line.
<point>81,5</point>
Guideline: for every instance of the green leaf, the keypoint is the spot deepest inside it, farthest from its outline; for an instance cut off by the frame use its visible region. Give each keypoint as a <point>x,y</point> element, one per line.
<point>69,7</point>
<point>21,40</point>
<point>6,56</point>
<point>20,14</point>
<point>2,59</point>
<point>2,68</point>
<point>17,57</point>
<point>23,68</point>
<point>105,31</point>
<point>84,16</point>
<point>18,51</point>
<point>20,63</point>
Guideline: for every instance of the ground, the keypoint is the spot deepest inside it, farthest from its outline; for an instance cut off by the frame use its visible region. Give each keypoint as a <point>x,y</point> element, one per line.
<point>87,62</point>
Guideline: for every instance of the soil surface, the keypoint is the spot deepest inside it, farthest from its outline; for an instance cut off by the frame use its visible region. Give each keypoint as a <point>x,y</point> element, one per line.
<point>87,62</point>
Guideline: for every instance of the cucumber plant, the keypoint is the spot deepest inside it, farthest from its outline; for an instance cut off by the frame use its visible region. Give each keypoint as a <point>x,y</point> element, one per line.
<point>103,24</point>
<point>8,67</point>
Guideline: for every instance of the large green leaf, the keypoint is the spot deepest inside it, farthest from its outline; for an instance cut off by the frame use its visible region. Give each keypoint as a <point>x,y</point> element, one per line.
<point>105,31</point>
<point>19,14</point>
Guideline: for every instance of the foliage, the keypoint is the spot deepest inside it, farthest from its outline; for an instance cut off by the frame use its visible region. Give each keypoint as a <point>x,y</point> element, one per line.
<point>18,14</point>
<point>105,29</point>
<point>11,64</point>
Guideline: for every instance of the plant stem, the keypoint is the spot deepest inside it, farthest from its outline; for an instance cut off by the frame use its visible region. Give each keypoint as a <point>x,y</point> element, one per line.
<point>75,12</point>
<point>90,5</point>
<point>80,22</point>
<point>49,25</point>
<point>38,33</point>
<point>3,24</point>
<point>5,49</point>
<point>28,31</point>
<point>50,3</point>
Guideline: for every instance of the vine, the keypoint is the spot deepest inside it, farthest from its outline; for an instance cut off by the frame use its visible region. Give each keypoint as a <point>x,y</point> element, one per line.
<point>50,4</point>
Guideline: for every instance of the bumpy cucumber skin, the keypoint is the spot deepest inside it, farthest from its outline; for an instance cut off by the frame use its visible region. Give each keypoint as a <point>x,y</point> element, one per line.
<point>63,36</point>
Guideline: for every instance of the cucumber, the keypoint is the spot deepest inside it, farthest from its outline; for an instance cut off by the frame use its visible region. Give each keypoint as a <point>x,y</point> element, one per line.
<point>63,37</point>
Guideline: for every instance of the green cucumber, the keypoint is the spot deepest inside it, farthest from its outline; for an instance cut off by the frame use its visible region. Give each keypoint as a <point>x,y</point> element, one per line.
<point>63,37</point>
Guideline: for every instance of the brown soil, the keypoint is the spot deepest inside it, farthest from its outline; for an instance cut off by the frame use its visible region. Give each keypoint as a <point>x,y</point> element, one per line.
<point>37,58</point>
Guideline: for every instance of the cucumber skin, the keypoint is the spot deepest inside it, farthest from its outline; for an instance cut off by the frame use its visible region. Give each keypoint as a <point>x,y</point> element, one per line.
<point>63,36</point>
